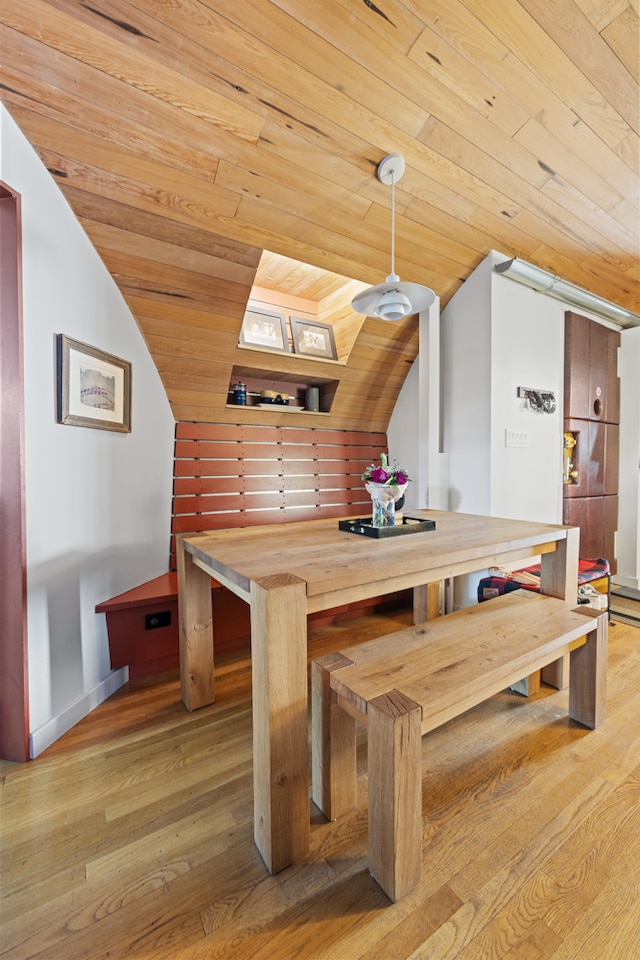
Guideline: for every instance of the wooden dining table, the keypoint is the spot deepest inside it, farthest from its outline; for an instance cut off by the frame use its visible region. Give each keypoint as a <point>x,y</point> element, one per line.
<point>286,571</point>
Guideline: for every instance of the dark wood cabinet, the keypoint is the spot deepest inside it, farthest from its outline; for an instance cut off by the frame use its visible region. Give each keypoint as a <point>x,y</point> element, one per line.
<point>591,415</point>
<point>591,384</point>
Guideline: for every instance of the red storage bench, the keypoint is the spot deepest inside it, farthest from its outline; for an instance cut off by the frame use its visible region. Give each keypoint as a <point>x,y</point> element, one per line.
<point>142,625</point>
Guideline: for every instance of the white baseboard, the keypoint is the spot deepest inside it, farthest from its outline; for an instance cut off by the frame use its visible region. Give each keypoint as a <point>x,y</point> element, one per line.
<point>631,583</point>
<point>54,728</point>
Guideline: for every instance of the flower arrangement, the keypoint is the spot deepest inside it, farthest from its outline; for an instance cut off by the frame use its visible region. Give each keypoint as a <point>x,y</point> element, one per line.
<point>390,476</point>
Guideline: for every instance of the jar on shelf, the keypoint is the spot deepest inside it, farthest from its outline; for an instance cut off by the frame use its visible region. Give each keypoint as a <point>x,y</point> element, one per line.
<point>240,394</point>
<point>313,399</point>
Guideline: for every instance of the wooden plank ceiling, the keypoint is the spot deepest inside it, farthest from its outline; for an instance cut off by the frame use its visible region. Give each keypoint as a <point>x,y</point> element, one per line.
<point>189,136</point>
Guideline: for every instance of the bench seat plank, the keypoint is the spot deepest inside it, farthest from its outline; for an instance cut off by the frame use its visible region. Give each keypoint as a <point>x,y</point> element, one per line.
<point>494,648</point>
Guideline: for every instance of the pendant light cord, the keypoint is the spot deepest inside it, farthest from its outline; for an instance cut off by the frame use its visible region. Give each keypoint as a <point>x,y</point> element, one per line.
<point>393,223</point>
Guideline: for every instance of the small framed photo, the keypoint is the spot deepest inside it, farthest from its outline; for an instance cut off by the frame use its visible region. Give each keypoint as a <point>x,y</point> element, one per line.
<point>266,329</point>
<point>313,339</point>
<point>93,388</point>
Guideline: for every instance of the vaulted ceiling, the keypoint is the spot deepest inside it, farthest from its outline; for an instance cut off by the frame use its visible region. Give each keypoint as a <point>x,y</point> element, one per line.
<point>189,136</point>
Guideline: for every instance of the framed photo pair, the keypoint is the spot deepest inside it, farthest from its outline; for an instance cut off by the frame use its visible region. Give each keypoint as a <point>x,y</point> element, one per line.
<point>93,388</point>
<point>268,330</point>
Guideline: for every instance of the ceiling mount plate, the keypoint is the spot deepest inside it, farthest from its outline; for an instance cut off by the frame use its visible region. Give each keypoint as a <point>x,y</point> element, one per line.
<point>391,168</point>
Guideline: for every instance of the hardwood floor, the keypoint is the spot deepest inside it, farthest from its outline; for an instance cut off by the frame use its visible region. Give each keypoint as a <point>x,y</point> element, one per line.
<point>133,837</point>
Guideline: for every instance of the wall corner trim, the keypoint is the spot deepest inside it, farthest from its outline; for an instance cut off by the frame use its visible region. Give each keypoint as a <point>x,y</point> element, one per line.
<point>53,729</point>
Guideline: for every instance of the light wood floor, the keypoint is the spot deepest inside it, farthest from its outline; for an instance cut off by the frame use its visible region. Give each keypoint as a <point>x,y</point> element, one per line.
<point>132,836</point>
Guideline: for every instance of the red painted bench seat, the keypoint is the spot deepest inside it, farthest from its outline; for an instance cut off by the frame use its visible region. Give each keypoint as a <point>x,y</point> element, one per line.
<point>142,625</point>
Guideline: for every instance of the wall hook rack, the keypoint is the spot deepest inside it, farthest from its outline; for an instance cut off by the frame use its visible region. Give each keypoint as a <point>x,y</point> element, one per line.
<point>542,401</point>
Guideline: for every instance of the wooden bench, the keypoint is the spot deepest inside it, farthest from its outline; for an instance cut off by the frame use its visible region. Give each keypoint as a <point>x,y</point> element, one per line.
<point>405,684</point>
<point>230,475</point>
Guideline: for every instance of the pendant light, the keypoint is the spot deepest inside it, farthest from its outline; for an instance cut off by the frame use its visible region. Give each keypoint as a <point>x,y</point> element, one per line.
<point>394,299</point>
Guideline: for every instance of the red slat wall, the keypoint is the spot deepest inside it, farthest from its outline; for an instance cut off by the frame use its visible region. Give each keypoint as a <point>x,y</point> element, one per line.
<point>228,475</point>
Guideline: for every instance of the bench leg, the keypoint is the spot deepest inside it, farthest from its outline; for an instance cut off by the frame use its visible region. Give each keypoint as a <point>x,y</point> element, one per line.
<point>588,682</point>
<point>528,685</point>
<point>559,578</point>
<point>395,793</point>
<point>556,674</point>
<point>333,742</point>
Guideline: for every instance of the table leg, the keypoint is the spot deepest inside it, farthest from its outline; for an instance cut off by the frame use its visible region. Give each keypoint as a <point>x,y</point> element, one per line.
<point>559,568</point>
<point>195,631</point>
<point>280,719</point>
<point>559,578</point>
<point>588,685</point>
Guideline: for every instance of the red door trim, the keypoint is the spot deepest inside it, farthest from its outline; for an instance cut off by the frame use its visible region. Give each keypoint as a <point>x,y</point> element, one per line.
<point>14,686</point>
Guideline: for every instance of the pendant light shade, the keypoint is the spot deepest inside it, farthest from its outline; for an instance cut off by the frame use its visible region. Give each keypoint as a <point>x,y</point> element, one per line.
<point>394,299</point>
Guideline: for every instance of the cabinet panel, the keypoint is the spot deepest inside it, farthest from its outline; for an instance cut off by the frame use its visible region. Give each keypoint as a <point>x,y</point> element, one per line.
<point>612,399</point>
<point>610,526</point>
<point>603,466</point>
<point>598,371</point>
<point>596,459</point>
<point>612,459</point>
<point>576,366</point>
<point>597,518</point>
<point>574,514</point>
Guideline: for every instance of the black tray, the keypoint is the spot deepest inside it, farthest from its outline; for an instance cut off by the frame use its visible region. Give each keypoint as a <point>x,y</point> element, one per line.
<point>365,527</point>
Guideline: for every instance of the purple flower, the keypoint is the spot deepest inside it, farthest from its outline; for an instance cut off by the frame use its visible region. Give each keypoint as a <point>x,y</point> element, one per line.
<point>391,475</point>
<point>379,475</point>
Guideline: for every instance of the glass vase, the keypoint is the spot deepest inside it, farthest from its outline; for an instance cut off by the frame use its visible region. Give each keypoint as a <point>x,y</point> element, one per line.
<point>383,512</point>
<point>383,504</point>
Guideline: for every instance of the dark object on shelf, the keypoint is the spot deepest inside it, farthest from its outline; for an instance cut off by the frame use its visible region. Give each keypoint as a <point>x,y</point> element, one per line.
<point>313,399</point>
<point>365,527</point>
<point>240,394</point>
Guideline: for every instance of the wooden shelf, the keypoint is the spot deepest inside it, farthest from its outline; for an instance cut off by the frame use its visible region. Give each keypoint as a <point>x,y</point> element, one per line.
<point>254,348</point>
<point>275,408</point>
<point>295,385</point>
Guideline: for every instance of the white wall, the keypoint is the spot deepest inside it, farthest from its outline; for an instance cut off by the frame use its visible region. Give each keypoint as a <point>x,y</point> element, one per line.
<point>527,350</point>
<point>402,432</point>
<point>498,336</point>
<point>98,503</point>
<point>414,430</point>
<point>466,393</point>
<point>628,538</point>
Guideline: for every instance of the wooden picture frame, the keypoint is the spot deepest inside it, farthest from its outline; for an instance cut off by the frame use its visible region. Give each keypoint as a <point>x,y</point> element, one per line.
<point>313,339</point>
<point>93,388</point>
<point>266,329</point>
